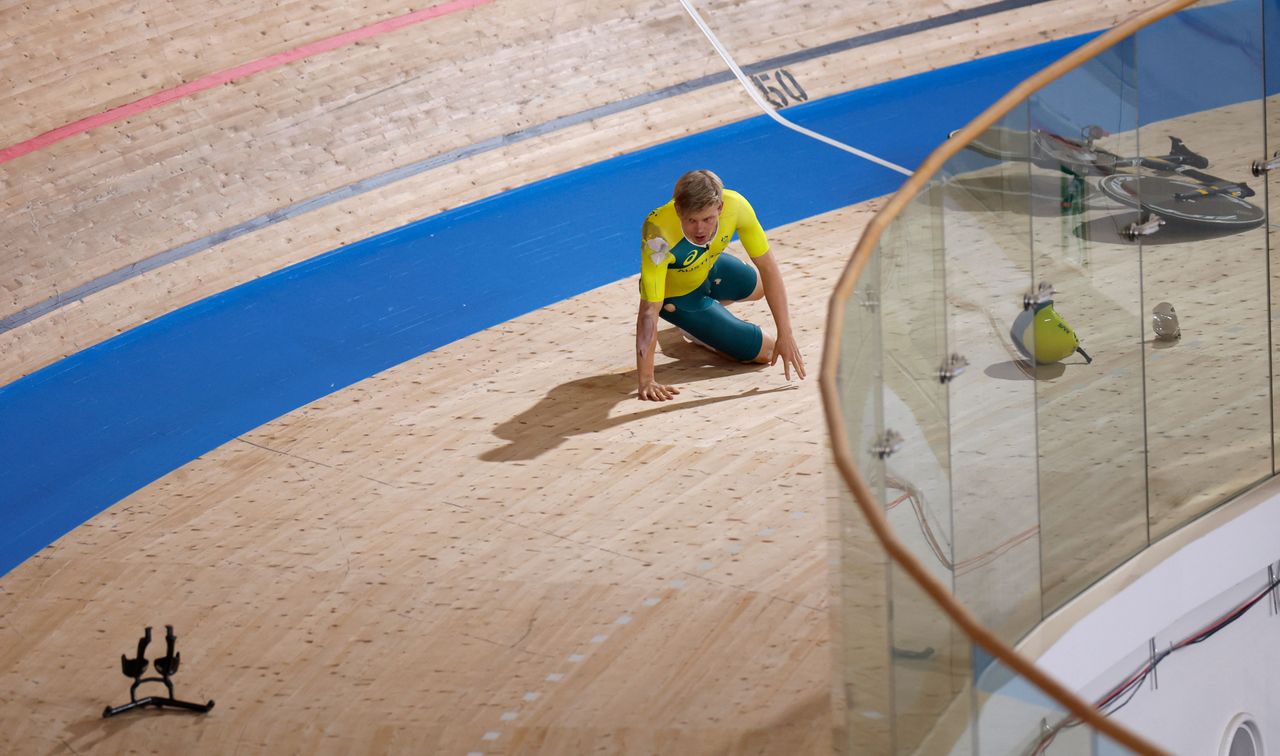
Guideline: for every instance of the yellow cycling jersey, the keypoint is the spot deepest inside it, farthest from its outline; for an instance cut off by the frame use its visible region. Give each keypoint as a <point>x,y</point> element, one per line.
<point>675,266</point>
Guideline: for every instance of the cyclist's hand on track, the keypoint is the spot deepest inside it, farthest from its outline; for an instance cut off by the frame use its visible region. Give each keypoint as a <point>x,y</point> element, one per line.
<point>785,349</point>
<point>653,391</point>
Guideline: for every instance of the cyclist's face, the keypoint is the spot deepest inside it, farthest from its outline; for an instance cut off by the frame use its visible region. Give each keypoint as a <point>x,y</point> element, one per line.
<point>700,225</point>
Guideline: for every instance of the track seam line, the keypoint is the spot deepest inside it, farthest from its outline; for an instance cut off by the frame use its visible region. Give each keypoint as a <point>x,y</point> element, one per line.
<point>232,74</point>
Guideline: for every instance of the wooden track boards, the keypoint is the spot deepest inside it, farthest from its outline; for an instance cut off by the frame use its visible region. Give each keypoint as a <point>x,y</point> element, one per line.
<point>398,566</point>
<point>495,528</point>
<point>107,199</point>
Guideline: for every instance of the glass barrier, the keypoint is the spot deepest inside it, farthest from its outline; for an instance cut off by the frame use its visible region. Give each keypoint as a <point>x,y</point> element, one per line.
<point>1268,186</point>
<point>1089,417</point>
<point>1075,354</point>
<point>1208,394</point>
<point>916,457</point>
<point>988,237</point>
<point>1016,717</point>
<point>861,631</point>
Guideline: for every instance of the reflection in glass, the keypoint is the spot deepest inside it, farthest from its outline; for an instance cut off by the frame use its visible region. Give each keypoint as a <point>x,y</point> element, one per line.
<point>925,646</point>
<point>1208,392</point>
<point>1117,205</point>
<point>1271,184</point>
<point>862,623</point>
<point>988,238</point>
<point>1089,414</point>
<point>930,660</point>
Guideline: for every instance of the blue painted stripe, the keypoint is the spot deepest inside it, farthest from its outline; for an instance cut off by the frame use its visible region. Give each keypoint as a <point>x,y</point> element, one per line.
<point>399,173</point>
<point>97,426</point>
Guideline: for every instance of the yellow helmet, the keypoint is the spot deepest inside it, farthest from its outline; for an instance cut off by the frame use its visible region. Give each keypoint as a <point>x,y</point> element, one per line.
<point>1044,328</point>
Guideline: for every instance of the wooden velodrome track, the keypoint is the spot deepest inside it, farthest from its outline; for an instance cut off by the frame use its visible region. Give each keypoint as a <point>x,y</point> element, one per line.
<point>492,548</point>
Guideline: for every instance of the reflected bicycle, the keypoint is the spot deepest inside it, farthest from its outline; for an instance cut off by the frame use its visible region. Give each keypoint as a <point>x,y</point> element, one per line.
<point>1169,187</point>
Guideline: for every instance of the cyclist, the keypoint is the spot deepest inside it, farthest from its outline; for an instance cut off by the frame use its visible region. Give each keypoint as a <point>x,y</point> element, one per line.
<point>685,280</point>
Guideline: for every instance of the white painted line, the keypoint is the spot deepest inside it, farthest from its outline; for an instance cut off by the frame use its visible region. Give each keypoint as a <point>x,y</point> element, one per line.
<point>767,532</point>
<point>677,583</point>
<point>576,658</point>
<point>508,716</point>
<point>555,677</point>
<point>652,601</point>
<point>532,696</point>
<point>491,735</point>
<point>623,620</point>
<point>764,106</point>
<point>600,639</point>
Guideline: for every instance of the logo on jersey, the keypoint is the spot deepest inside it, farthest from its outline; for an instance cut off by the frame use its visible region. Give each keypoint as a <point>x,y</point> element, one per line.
<point>689,255</point>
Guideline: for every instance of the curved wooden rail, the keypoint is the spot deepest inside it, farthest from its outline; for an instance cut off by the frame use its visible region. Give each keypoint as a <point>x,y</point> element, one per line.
<point>872,509</point>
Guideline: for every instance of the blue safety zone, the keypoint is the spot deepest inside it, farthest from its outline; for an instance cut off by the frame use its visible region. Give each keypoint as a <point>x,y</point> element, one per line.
<point>93,428</point>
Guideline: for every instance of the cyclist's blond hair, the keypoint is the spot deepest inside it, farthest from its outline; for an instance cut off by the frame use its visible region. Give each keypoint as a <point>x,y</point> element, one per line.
<point>697,190</point>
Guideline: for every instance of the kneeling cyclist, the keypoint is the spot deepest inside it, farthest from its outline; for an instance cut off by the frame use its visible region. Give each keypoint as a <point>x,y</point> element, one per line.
<point>685,280</point>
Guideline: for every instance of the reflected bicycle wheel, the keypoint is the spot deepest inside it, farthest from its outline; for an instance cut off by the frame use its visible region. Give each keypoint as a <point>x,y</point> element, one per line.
<point>1001,143</point>
<point>1181,199</point>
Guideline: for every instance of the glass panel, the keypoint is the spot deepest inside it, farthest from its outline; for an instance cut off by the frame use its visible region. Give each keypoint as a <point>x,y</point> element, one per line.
<point>861,375</point>
<point>915,399</point>
<point>993,404</point>
<point>1271,69</point>
<point>932,695</point>
<point>1083,426</point>
<point>1016,717</point>
<point>1208,392</point>
<point>1013,715</point>
<point>916,475</point>
<point>1089,408</point>
<point>862,622</point>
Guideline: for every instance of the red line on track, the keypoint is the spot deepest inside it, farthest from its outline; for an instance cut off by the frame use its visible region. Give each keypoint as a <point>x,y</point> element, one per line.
<point>231,74</point>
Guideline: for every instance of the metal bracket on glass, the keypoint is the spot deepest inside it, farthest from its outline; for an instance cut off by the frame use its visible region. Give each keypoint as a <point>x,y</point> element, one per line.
<point>1043,293</point>
<point>1266,166</point>
<point>952,368</point>
<point>1146,228</point>
<point>889,442</point>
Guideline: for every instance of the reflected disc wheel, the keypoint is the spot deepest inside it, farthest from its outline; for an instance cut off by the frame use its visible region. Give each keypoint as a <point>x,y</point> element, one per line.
<point>1180,199</point>
<point>1001,143</point>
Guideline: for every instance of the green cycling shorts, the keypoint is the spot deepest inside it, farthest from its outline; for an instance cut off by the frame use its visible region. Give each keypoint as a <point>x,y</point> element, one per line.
<point>700,314</point>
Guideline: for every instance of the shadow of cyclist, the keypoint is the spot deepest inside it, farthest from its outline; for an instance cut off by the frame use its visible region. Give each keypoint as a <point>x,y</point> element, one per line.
<point>585,405</point>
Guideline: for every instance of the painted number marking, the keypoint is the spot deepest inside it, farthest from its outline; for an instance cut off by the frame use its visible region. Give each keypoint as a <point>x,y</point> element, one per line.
<point>780,88</point>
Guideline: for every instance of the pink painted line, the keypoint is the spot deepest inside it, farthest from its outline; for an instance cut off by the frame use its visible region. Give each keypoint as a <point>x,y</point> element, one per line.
<point>231,74</point>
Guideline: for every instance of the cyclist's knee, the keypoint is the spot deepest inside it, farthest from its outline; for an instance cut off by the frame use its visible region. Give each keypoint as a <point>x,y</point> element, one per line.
<point>766,348</point>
